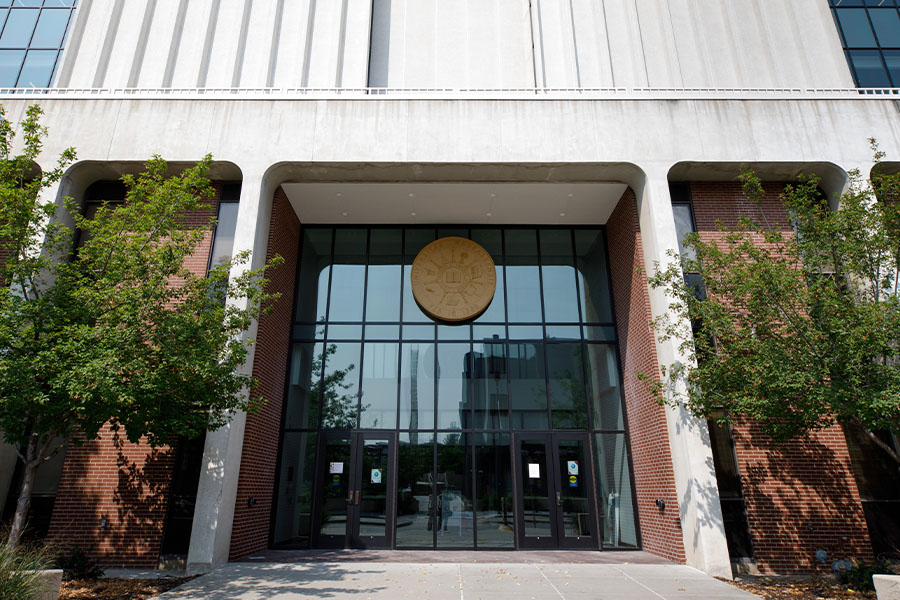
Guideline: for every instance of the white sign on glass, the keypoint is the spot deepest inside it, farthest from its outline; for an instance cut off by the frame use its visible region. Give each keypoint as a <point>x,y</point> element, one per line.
<point>534,471</point>
<point>336,468</point>
<point>573,467</point>
<point>376,475</point>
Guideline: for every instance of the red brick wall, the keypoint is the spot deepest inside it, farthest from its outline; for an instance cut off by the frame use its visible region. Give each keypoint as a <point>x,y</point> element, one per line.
<point>260,453</point>
<point>800,497</point>
<point>653,475</point>
<point>125,484</point>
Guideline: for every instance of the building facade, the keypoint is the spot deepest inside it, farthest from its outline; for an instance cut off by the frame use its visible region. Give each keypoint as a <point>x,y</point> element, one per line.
<point>576,141</point>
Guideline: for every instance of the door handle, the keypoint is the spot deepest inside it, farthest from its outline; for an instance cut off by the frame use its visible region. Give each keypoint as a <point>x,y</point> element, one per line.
<point>357,498</point>
<point>558,499</point>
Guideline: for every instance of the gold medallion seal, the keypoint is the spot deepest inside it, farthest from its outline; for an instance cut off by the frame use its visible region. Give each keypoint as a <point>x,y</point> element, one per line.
<point>453,279</point>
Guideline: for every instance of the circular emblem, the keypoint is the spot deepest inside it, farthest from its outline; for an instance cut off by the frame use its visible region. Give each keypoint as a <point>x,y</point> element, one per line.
<point>453,279</point>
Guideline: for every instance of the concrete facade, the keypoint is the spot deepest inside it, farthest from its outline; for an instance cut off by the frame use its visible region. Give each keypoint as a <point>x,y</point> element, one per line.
<point>507,92</point>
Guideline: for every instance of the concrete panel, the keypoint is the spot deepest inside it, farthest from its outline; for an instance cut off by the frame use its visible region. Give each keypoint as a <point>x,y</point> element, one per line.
<point>162,33</point>
<point>126,41</point>
<point>355,60</point>
<point>628,62</point>
<point>555,43</point>
<point>591,44</point>
<point>223,54</point>
<point>186,69</point>
<point>324,50</point>
<point>257,51</point>
<point>292,41</point>
<point>658,41</point>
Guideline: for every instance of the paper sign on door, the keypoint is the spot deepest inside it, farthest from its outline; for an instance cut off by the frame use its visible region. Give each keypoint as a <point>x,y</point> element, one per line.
<point>573,467</point>
<point>376,475</point>
<point>336,468</point>
<point>534,471</point>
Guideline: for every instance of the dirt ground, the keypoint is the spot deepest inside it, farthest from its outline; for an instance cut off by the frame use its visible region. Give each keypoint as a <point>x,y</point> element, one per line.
<point>118,589</point>
<point>815,588</point>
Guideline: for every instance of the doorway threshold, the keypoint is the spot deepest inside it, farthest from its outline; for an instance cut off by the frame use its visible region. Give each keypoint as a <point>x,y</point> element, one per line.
<point>608,557</point>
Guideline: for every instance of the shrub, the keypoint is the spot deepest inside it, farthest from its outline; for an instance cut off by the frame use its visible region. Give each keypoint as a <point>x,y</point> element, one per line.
<point>78,564</point>
<point>859,576</point>
<point>20,571</point>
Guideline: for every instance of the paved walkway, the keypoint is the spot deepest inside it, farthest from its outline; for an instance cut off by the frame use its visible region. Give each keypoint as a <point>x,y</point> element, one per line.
<point>455,581</point>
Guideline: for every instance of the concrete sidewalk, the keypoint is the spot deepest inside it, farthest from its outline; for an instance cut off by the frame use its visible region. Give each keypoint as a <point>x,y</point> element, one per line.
<point>454,581</point>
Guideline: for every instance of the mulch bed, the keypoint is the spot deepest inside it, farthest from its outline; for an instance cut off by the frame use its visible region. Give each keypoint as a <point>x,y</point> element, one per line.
<point>813,588</point>
<point>118,589</point>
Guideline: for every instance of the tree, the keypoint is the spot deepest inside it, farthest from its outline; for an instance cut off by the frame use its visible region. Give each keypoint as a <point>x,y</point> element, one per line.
<point>116,331</point>
<point>798,327</point>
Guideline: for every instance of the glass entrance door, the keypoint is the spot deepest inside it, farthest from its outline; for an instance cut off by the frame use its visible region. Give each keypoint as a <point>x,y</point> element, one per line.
<point>555,497</point>
<point>354,507</point>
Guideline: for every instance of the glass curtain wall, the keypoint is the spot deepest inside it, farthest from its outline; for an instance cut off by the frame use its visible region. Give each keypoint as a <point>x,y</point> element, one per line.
<point>543,356</point>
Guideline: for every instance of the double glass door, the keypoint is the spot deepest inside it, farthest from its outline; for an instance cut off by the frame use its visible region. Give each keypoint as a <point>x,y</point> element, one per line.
<point>555,496</point>
<point>354,504</point>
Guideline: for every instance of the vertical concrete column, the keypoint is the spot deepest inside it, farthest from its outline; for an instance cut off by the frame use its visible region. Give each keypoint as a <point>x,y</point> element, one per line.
<point>702,527</point>
<point>217,490</point>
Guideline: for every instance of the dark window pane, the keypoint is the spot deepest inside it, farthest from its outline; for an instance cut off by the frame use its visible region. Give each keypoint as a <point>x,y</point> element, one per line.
<point>487,333</point>
<point>454,332</point>
<point>382,332</point>
<point>869,68</point>
<point>417,386</point>
<point>345,332</point>
<point>563,332</point>
<point>373,504</point>
<point>341,386</point>
<point>418,332</point>
<point>304,387</point>
<point>293,506</point>
<point>416,502</point>
<point>724,460</point>
<point>37,69</point>
<point>384,275</point>
<point>223,243</point>
<point>454,491</point>
<point>616,501</point>
<point>590,249</point>
<point>348,275</point>
<point>334,487</point>
<point>558,276</point>
<point>416,239</point>
<point>10,64</point>
<point>526,332</point>
<point>536,487</point>
<point>522,276</point>
<point>51,28</point>
<point>892,58</point>
<point>855,25</point>
<point>454,373</point>
<point>528,386</point>
<point>493,491</point>
<point>491,392</point>
<point>887,26</point>
<point>603,383</point>
<point>567,393</point>
<point>378,397</point>
<point>491,240</point>
<point>600,333</point>
<point>312,289</point>
<point>19,27</point>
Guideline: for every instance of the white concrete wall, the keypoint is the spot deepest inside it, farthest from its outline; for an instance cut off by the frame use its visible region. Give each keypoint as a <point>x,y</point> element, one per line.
<point>454,43</point>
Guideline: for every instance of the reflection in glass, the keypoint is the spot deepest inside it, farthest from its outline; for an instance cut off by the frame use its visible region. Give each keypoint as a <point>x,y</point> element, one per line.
<point>312,287</point>
<point>684,224</point>
<point>618,529</point>
<point>558,276</point>
<point>10,63</point>
<point>869,68</point>
<point>887,26</point>
<point>51,28</point>
<point>416,239</point>
<point>37,68</point>
<point>335,486</point>
<point>415,490</point>
<point>293,511</point>
<point>416,386</point>
<point>490,394</point>
<point>454,332</point>
<point>528,388</point>
<point>340,387</point>
<point>535,488</point>
<point>226,224</point>
<point>454,491</point>
<point>493,491</point>
<point>384,275</point>
<point>348,275</point>
<point>567,395</point>
<point>378,397</point>
<point>590,250</point>
<point>855,25</point>
<point>573,487</point>
<point>304,387</point>
<point>603,379</point>
<point>18,30</point>
<point>376,474</point>
<point>453,391</point>
<point>523,284</point>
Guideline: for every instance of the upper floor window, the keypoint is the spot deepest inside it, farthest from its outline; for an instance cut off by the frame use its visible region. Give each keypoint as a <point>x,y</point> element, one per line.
<point>31,40</point>
<point>870,34</point>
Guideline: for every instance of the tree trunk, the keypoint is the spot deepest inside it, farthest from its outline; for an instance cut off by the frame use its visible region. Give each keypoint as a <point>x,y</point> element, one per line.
<point>32,462</point>
<point>878,442</point>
